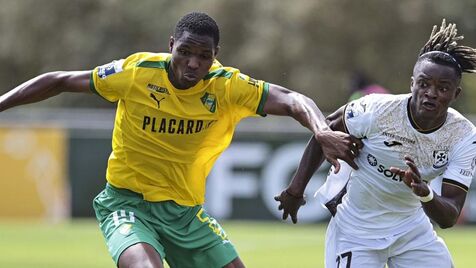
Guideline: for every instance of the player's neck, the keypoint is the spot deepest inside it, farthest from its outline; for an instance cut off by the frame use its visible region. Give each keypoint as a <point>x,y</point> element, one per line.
<point>423,124</point>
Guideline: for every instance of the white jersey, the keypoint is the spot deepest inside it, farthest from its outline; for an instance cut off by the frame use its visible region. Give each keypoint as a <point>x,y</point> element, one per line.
<point>378,203</point>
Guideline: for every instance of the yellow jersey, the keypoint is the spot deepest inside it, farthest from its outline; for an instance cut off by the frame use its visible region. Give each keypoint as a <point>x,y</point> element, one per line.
<point>166,140</point>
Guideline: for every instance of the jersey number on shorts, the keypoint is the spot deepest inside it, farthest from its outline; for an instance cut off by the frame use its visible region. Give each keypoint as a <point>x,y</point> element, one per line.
<point>344,257</point>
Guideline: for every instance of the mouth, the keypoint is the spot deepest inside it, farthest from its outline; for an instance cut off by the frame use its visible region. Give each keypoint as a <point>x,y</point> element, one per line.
<point>428,105</point>
<point>190,76</point>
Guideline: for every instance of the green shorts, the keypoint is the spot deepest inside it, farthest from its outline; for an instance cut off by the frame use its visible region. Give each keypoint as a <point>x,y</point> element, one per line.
<point>184,236</point>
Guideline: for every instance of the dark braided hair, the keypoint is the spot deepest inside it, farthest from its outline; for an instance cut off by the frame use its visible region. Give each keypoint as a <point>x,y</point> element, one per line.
<point>198,23</point>
<point>442,48</point>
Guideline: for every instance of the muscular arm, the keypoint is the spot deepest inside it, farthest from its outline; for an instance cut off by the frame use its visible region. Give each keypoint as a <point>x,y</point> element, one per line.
<point>45,86</point>
<point>445,209</point>
<point>282,101</point>
<point>313,156</point>
<point>292,198</point>
<point>334,144</point>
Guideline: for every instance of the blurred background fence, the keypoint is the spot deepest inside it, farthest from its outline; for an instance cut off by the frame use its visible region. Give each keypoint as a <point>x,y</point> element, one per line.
<point>54,163</point>
<point>53,154</point>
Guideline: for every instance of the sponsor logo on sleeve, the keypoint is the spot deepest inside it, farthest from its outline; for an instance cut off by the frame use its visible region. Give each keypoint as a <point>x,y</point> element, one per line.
<point>469,172</point>
<point>110,68</point>
<point>351,111</point>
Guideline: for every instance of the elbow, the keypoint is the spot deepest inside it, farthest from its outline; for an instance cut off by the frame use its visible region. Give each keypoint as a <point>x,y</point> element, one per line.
<point>448,223</point>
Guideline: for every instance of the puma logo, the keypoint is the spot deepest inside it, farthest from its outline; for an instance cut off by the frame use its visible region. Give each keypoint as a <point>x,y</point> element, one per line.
<point>392,143</point>
<point>158,101</point>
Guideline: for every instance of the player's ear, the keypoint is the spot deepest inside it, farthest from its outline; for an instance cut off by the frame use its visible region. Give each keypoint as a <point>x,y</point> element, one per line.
<point>217,48</point>
<point>412,82</point>
<point>171,43</point>
<point>458,91</point>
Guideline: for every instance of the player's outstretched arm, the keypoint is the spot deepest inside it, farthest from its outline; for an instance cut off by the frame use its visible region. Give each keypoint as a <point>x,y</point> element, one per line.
<point>45,86</point>
<point>292,198</point>
<point>444,209</point>
<point>335,144</point>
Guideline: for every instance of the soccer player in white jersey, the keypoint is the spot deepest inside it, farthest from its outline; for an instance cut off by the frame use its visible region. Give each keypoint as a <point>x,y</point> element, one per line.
<point>409,140</point>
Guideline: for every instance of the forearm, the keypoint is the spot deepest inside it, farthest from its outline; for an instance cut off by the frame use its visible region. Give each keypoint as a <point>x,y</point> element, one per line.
<point>306,112</point>
<point>442,210</point>
<point>311,160</point>
<point>33,90</point>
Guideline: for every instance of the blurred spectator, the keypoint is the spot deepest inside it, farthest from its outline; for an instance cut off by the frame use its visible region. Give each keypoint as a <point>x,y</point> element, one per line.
<point>361,85</point>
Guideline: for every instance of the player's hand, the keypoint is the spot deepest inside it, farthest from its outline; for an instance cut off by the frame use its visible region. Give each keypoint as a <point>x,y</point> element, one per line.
<point>289,204</point>
<point>339,145</point>
<point>412,178</point>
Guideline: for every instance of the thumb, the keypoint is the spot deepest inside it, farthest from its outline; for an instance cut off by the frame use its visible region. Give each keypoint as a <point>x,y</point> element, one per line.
<point>336,165</point>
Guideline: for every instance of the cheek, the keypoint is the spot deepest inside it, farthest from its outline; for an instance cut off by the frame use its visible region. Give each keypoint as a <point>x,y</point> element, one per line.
<point>206,66</point>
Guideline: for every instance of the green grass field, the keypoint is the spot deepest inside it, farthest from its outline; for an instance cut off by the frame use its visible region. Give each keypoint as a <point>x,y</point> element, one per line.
<point>260,244</point>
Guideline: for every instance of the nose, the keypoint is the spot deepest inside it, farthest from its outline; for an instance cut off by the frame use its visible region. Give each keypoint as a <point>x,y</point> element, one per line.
<point>193,63</point>
<point>430,92</point>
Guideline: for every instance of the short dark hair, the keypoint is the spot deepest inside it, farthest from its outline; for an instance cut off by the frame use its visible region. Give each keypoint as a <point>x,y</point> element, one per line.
<point>442,48</point>
<point>198,23</point>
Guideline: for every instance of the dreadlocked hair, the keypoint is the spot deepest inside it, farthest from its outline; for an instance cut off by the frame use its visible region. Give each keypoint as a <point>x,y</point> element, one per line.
<point>443,48</point>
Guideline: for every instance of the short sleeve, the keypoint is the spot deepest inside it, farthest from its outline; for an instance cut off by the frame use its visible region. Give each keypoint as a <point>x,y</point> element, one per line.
<point>247,95</point>
<point>359,115</point>
<point>112,81</point>
<point>462,165</point>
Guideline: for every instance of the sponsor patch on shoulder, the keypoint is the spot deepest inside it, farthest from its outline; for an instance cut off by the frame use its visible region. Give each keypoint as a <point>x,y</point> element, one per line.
<point>110,68</point>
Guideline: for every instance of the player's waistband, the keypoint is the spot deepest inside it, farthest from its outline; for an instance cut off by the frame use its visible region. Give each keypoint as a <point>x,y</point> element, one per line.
<point>121,191</point>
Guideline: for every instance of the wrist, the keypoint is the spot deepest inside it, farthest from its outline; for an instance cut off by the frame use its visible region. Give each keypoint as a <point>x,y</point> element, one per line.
<point>294,194</point>
<point>428,198</point>
<point>320,134</point>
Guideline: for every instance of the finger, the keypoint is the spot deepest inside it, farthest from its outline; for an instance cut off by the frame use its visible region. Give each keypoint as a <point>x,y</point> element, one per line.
<point>415,179</point>
<point>413,167</point>
<point>277,198</point>
<point>294,217</point>
<point>285,215</point>
<point>357,143</point>
<point>303,202</point>
<point>409,158</point>
<point>406,177</point>
<point>392,169</point>
<point>336,165</point>
<point>280,207</point>
<point>398,171</point>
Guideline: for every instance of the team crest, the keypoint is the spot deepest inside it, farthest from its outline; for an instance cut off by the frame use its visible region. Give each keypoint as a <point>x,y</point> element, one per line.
<point>209,101</point>
<point>440,158</point>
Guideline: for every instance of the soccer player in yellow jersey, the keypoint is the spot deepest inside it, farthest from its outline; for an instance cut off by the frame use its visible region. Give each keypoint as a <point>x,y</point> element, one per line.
<point>176,113</point>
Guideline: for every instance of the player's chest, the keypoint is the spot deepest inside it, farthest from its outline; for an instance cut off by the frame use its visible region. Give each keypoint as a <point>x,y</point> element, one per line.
<point>388,147</point>
<point>153,97</point>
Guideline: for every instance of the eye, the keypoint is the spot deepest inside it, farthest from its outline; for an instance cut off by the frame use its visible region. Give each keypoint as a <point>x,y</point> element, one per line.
<point>444,89</point>
<point>422,83</point>
<point>206,56</point>
<point>183,52</point>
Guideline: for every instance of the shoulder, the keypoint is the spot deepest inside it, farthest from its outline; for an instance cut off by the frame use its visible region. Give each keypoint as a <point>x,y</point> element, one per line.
<point>149,60</point>
<point>458,123</point>
<point>377,103</point>
<point>218,71</point>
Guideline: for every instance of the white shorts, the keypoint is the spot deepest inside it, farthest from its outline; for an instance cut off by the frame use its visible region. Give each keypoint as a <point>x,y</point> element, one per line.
<point>418,248</point>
